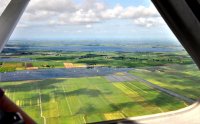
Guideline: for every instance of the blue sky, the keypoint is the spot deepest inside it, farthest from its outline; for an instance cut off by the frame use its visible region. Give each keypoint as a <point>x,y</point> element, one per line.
<point>92,19</point>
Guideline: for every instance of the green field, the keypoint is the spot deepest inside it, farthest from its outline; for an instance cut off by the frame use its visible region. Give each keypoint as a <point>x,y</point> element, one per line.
<point>181,79</point>
<point>114,59</point>
<point>44,60</point>
<point>94,99</point>
<point>84,100</point>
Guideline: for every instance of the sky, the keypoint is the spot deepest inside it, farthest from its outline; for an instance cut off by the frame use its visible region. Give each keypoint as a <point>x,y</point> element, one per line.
<point>90,19</point>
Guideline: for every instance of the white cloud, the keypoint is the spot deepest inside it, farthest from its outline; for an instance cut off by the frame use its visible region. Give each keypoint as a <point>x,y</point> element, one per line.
<point>113,13</point>
<point>64,12</point>
<point>148,22</point>
<point>100,6</point>
<point>82,16</point>
<point>22,26</point>
<point>79,31</point>
<point>51,5</point>
<point>88,26</point>
<point>140,11</point>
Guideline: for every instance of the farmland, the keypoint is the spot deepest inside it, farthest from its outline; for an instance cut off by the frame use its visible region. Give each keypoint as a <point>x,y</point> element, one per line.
<point>180,79</point>
<point>46,60</point>
<point>89,99</point>
<point>82,91</point>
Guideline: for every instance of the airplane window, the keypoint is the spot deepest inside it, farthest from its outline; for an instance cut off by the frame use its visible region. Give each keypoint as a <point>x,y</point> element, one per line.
<point>87,61</point>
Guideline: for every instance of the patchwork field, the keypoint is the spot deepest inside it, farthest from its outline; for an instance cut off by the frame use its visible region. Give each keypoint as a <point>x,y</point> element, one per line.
<point>184,80</point>
<point>45,60</point>
<point>85,100</point>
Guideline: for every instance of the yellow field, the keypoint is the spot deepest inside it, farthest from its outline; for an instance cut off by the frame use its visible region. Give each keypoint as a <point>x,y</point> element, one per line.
<point>71,65</point>
<point>114,115</point>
